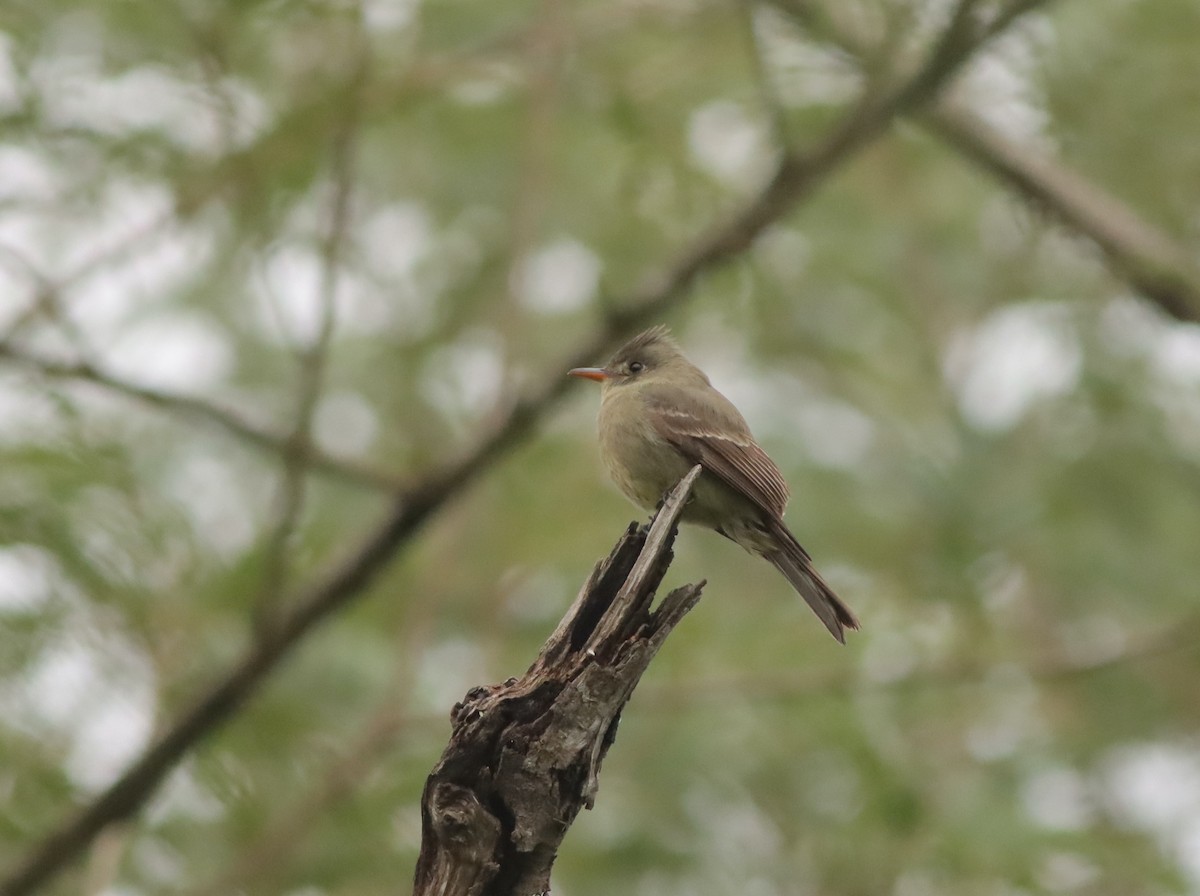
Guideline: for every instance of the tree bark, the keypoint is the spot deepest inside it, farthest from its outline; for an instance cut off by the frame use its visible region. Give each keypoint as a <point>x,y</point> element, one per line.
<point>524,756</point>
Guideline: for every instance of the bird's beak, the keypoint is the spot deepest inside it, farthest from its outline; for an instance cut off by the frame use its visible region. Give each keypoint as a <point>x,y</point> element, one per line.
<point>599,374</point>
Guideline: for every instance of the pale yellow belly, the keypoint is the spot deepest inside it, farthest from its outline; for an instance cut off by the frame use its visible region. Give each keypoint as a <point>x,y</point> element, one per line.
<point>644,466</point>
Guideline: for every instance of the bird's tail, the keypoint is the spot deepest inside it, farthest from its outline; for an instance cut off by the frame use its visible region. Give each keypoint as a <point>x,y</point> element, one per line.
<point>793,561</point>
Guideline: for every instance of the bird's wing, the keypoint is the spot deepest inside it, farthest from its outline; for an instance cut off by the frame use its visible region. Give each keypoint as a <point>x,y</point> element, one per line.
<point>712,433</point>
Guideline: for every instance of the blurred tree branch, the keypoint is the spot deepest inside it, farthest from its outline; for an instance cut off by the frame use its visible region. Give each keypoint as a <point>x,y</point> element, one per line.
<point>796,177</point>
<point>546,46</point>
<point>311,361</point>
<point>267,852</point>
<point>262,860</point>
<point>1150,260</point>
<point>1147,258</point>
<point>203,410</point>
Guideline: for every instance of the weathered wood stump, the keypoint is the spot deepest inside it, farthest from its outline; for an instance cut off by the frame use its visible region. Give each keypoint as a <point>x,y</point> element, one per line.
<point>524,756</point>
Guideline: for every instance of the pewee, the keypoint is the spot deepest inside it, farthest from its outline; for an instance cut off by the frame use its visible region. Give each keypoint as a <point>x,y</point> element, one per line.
<point>659,417</point>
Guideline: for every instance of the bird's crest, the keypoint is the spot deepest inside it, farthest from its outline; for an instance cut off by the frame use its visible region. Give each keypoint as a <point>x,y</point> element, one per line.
<point>648,339</point>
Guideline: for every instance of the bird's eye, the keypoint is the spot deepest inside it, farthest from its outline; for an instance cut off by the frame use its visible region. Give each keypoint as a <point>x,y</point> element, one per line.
<point>636,367</point>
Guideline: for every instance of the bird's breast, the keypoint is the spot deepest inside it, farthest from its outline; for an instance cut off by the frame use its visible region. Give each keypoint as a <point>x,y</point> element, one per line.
<point>640,461</point>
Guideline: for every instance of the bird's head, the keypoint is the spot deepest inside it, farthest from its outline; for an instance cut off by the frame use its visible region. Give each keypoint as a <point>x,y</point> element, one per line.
<point>644,358</point>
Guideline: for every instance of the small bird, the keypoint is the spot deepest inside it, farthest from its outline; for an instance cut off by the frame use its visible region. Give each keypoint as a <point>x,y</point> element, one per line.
<point>659,417</point>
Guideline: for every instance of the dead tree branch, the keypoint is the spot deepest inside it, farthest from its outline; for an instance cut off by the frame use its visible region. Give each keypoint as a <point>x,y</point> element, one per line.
<point>525,756</point>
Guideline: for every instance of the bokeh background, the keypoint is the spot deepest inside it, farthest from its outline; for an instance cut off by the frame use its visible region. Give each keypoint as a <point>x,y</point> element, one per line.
<point>266,266</point>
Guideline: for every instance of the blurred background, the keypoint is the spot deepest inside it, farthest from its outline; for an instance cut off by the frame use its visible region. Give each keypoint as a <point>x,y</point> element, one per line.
<point>266,265</point>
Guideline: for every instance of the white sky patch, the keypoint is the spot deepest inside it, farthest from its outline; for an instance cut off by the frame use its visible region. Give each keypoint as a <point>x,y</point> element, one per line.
<point>345,424</point>
<point>98,694</point>
<point>246,114</point>
<point>727,367</point>
<point>1001,82</point>
<point>288,302</point>
<point>398,247</point>
<point>182,351</point>
<point>1015,357</point>
<point>452,255</point>
<point>24,252</point>
<point>1187,850</point>
<point>1057,799</point>
<point>447,671</point>
<point>75,93</point>
<point>27,175</point>
<point>930,17</point>
<point>111,732</point>
<point>28,577</point>
<point>127,214</point>
<point>360,308</point>
<point>60,677</point>
<point>102,305</point>
<point>1171,351</point>
<point>29,415</point>
<point>802,72</point>
<point>182,795</point>
<point>1176,357</point>
<point>833,433</point>
<point>1156,787</point>
<point>288,290</point>
<point>219,506</point>
<point>389,15</point>
<point>464,379</point>
<point>557,278</point>
<point>396,238</point>
<point>1129,327</point>
<point>728,144</point>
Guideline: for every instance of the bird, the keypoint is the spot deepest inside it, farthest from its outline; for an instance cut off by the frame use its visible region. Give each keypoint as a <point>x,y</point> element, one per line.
<point>660,416</point>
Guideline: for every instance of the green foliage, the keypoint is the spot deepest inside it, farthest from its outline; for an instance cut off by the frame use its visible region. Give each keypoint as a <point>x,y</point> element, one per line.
<point>992,444</point>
